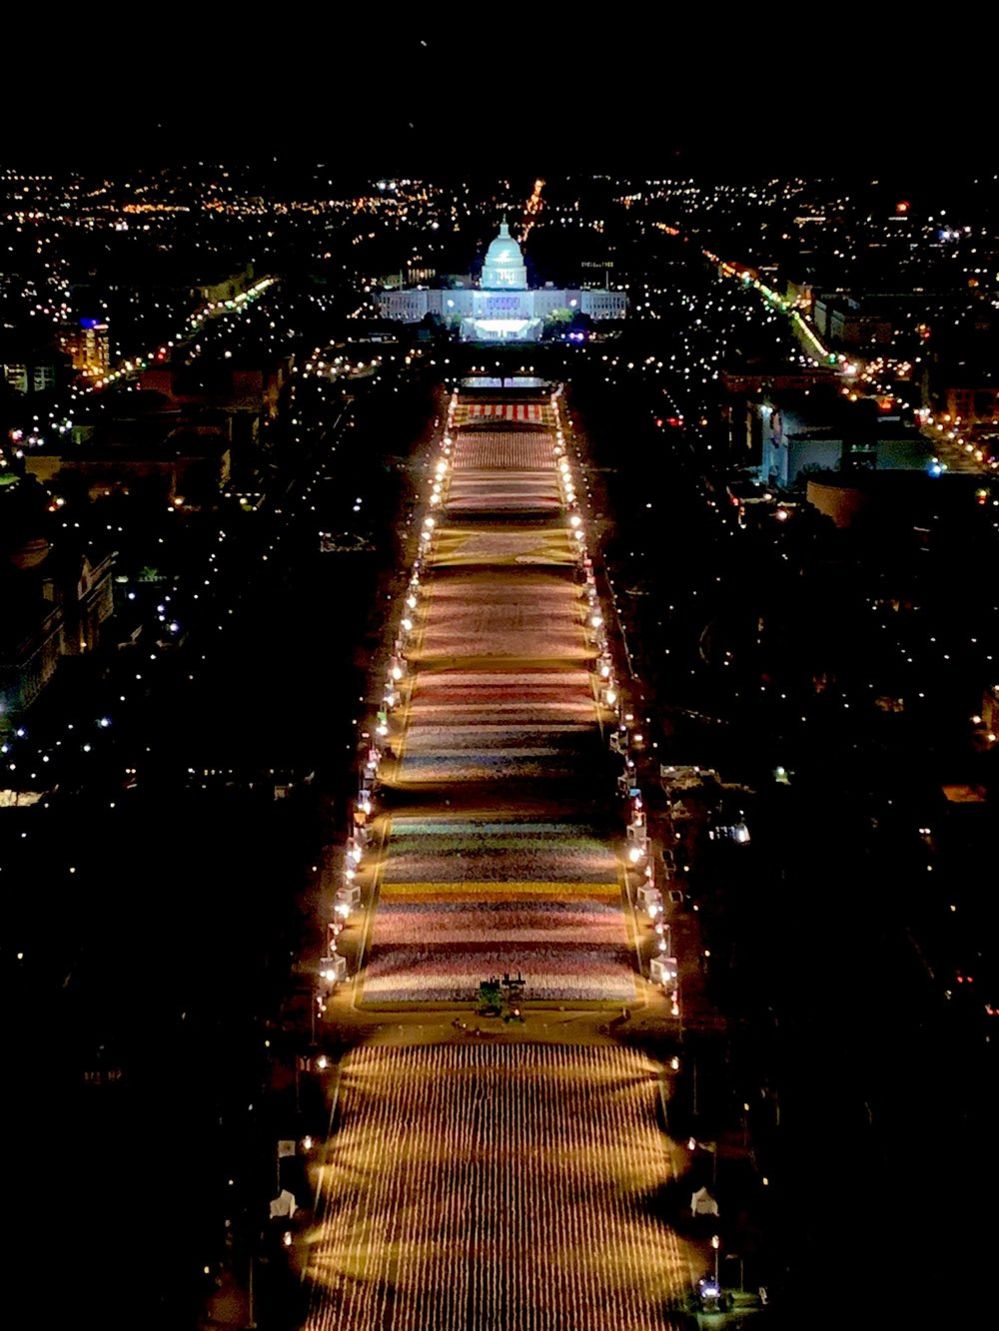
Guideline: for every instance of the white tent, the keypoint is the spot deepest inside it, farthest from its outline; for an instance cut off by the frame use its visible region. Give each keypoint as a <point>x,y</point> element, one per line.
<point>702,1203</point>
<point>283,1205</point>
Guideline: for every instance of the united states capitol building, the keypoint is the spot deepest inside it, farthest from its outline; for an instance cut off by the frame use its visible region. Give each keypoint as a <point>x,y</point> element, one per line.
<point>502,308</point>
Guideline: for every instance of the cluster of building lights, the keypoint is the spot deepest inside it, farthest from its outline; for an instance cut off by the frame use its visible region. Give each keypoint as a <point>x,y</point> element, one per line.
<point>195,322</point>
<point>853,371</point>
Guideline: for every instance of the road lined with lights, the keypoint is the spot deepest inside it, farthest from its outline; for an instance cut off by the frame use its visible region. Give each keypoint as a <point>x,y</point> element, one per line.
<point>955,450</point>
<point>489,730</point>
<point>496,1186</point>
<point>212,309</point>
<point>482,868</point>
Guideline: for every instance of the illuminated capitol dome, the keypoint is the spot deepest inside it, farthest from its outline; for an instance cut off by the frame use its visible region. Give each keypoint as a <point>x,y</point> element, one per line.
<point>501,308</point>
<point>503,268</point>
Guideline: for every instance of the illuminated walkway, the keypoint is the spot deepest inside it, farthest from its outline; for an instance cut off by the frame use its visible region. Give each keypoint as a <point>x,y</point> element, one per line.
<point>514,1185</point>
<point>495,861</point>
<point>506,1188</point>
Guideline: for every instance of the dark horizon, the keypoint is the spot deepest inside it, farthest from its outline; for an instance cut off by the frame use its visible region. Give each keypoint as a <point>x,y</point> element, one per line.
<point>445,101</point>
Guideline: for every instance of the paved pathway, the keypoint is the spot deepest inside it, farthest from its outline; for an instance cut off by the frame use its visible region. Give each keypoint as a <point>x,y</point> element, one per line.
<point>481,1175</point>
<point>500,865</point>
<point>511,1187</point>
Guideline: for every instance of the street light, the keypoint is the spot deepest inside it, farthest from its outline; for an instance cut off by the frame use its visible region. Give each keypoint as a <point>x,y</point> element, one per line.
<point>716,1244</point>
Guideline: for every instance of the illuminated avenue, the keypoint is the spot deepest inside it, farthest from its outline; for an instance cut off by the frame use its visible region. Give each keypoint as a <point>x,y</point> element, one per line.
<point>463,1174</point>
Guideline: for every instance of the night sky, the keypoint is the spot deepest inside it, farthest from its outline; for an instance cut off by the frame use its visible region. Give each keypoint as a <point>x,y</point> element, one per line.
<point>496,88</point>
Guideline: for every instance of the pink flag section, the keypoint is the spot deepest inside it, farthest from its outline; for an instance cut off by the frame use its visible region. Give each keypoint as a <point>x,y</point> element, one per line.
<point>529,412</point>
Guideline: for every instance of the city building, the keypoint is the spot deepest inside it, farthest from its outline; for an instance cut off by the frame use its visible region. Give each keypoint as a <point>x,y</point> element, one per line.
<point>212,286</point>
<point>502,307</point>
<point>55,602</point>
<point>790,435</point>
<point>190,466</point>
<point>246,390</point>
<point>931,509</point>
<point>960,379</point>
<point>89,348</point>
<point>847,321</point>
<point>29,365</point>
<point>31,640</point>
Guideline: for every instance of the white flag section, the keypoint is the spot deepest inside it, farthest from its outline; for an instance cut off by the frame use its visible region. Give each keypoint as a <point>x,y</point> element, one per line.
<point>286,1148</point>
<point>702,1203</point>
<point>283,1205</point>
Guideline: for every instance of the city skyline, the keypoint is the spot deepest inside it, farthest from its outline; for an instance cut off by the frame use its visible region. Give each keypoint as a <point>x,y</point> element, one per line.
<point>499,677</point>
